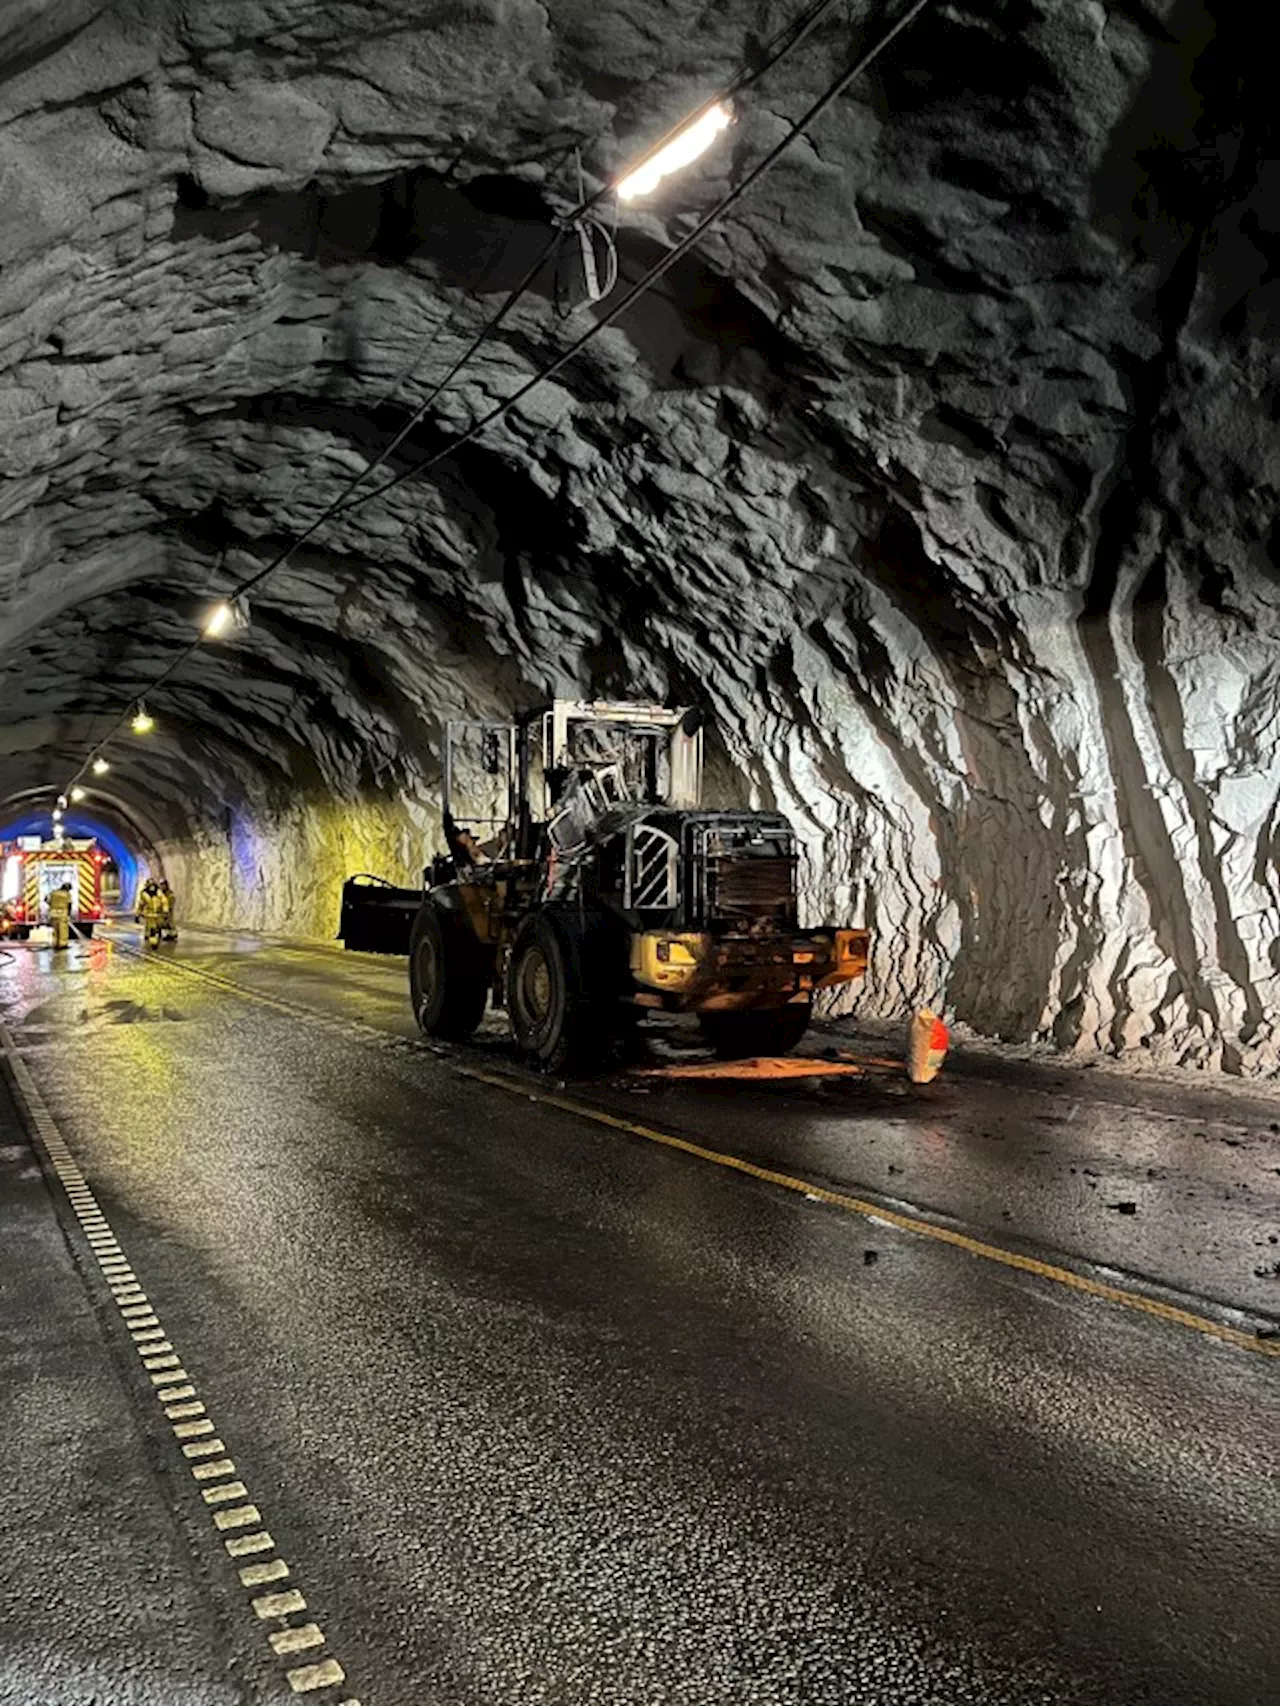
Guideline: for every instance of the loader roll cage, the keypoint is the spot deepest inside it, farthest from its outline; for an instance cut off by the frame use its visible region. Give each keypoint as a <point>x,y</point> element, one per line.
<point>553,770</point>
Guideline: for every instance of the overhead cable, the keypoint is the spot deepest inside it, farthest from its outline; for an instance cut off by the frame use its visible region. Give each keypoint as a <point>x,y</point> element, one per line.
<point>784,43</point>
<point>656,271</point>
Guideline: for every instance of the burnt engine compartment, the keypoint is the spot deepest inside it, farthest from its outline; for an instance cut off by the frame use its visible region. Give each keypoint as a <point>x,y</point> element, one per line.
<point>727,873</point>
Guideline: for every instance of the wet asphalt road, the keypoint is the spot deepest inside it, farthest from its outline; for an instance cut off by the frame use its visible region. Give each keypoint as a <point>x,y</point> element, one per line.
<point>539,1411</point>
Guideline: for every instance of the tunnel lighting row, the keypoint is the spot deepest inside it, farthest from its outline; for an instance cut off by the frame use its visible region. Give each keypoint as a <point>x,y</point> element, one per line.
<point>679,149</point>
<point>688,144</point>
<point>229,616</point>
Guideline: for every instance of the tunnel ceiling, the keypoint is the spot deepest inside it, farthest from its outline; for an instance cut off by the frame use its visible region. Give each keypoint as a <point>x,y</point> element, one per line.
<point>943,473</point>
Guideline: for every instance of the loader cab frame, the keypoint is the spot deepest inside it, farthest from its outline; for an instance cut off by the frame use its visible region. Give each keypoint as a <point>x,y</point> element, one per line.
<point>614,754</point>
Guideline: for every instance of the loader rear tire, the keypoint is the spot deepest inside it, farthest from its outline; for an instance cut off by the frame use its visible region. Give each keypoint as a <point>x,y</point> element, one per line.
<point>448,974</point>
<point>768,1030</point>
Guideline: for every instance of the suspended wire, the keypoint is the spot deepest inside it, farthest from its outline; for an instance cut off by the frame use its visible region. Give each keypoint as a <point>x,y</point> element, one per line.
<point>784,43</point>
<point>781,45</point>
<point>424,347</point>
<point>656,271</point>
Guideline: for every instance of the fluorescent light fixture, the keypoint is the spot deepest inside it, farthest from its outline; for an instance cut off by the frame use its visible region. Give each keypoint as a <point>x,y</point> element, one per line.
<point>684,147</point>
<point>77,793</point>
<point>100,767</point>
<point>143,722</point>
<point>218,621</point>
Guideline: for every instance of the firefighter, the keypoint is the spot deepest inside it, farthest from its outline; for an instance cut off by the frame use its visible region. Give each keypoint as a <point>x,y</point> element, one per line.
<point>168,931</point>
<point>60,915</point>
<point>151,912</point>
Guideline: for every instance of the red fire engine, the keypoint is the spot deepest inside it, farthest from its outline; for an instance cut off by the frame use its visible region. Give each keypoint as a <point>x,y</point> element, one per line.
<point>30,870</point>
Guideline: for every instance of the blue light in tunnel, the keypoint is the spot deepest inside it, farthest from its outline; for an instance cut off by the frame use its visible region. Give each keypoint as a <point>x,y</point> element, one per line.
<point>80,824</point>
<point>246,854</point>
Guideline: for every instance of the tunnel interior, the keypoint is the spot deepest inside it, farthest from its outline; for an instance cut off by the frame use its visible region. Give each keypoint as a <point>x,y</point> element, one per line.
<point>941,473</point>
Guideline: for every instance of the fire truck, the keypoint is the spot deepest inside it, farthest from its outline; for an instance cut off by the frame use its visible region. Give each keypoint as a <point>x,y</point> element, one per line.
<point>30,869</point>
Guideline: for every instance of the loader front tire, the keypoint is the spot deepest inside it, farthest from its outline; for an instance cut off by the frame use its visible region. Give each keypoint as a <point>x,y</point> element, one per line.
<point>558,1023</point>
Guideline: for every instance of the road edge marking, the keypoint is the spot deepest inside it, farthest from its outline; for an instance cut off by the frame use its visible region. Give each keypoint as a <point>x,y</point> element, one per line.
<point>916,1225</point>
<point>104,1250</point>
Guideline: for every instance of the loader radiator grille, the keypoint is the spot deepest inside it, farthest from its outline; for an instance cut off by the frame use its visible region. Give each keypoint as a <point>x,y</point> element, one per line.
<point>758,890</point>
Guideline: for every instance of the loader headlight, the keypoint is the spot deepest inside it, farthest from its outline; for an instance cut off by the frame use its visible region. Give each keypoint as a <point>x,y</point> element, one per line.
<point>676,954</point>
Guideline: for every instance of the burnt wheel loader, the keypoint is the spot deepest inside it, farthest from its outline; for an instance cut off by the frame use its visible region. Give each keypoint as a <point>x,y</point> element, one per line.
<point>585,885</point>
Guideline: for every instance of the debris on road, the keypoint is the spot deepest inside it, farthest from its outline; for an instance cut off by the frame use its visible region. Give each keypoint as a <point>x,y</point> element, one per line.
<point>1124,1207</point>
<point>758,1066</point>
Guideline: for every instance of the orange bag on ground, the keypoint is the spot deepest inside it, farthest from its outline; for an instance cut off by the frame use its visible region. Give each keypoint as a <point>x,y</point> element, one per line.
<point>928,1040</point>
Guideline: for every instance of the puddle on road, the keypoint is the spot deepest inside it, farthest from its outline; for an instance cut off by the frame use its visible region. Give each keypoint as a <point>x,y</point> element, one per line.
<point>126,1012</point>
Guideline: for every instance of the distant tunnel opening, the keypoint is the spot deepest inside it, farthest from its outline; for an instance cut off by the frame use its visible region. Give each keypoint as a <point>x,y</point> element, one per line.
<point>129,859</point>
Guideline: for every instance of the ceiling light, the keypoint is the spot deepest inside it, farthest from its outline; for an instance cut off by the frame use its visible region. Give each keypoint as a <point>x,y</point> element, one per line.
<point>62,799</point>
<point>57,814</point>
<point>100,767</point>
<point>684,147</point>
<point>143,722</point>
<point>229,617</point>
<point>77,793</point>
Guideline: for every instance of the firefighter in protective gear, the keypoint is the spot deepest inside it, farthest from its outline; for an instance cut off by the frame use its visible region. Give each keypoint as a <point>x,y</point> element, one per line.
<point>169,931</point>
<point>60,915</point>
<point>151,912</point>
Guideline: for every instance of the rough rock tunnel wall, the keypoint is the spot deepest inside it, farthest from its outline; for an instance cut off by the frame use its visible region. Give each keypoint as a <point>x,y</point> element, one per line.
<point>944,475</point>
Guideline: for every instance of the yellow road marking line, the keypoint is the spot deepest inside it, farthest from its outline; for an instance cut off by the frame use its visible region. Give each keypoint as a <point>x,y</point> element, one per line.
<point>180,1412</point>
<point>297,1640</point>
<point>192,1430</point>
<point>306,1678</point>
<point>860,1206</point>
<point>1121,1296</point>
<point>244,1545</point>
<point>171,1395</point>
<point>210,1471</point>
<point>284,1604</point>
<point>258,1575</point>
<point>244,1516</point>
<point>223,1495</point>
<point>204,1448</point>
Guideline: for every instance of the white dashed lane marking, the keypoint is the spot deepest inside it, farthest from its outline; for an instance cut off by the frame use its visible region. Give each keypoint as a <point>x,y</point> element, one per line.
<point>226,1501</point>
